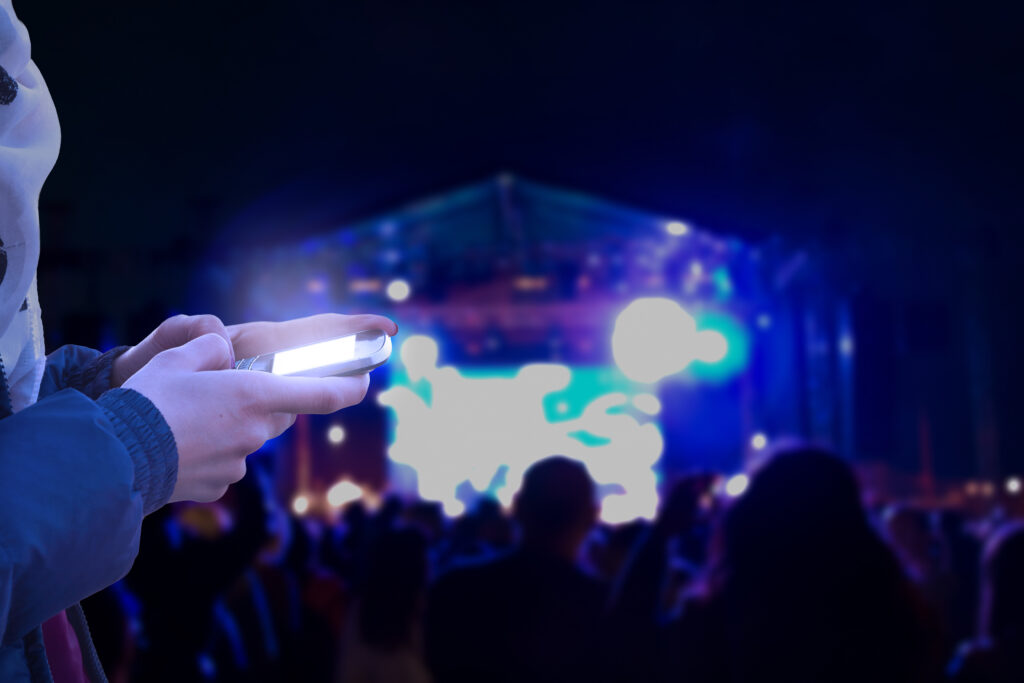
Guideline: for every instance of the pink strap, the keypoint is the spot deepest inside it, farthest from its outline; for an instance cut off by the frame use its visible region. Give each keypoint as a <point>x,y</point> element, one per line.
<point>63,651</point>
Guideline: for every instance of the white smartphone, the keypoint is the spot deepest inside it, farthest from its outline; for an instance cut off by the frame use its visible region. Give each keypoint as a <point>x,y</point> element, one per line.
<point>354,354</point>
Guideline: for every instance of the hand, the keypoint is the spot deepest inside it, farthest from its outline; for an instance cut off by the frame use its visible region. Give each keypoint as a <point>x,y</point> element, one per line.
<point>218,418</point>
<point>171,334</point>
<point>247,340</point>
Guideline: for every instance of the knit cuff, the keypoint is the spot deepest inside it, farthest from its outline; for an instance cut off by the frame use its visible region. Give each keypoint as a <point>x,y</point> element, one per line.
<point>93,378</point>
<point>150,443</point>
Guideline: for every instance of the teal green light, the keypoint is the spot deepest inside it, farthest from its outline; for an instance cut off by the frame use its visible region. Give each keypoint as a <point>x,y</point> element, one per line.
<point>736,358</point>
<point>723,282</point>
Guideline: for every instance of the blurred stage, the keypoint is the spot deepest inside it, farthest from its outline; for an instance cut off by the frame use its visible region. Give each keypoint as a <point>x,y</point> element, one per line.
<point>536,320</point>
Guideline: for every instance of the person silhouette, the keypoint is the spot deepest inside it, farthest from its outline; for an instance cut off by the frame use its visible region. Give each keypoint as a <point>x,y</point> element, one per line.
<point>531,614</point>
<point>801,588</point>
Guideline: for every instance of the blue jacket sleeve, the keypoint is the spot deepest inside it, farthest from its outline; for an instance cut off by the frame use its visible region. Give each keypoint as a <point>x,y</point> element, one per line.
<point>76,478</point>
<point>78,367</point>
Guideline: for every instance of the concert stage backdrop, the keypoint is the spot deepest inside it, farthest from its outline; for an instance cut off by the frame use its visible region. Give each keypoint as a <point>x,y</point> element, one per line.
<point>538,321</point>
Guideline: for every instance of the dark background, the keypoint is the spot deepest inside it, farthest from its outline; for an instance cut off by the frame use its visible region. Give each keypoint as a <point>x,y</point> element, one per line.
<point>885,138</point>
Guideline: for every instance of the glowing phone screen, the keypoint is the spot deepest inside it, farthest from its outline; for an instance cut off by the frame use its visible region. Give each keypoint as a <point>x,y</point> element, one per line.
<point>315,355</point>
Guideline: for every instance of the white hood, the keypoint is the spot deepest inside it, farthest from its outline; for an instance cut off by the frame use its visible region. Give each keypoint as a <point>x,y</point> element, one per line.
<point>29,142</point>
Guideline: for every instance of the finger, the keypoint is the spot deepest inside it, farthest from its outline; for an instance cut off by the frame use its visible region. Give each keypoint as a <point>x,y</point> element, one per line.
<point>279,424</point>
<point>181,329</point>
<point>252,339</point>
<point>309,395</point>
<point>208,352</point>
<point>198,325</point>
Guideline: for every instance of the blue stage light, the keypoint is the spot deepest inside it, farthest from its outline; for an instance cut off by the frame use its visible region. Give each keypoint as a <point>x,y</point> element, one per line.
<point>846,346</point>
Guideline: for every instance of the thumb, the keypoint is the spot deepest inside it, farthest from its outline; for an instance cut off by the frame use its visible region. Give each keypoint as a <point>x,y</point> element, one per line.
<point>208,352</point>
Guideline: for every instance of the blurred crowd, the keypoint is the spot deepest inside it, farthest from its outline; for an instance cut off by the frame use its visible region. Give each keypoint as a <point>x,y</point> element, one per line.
<point>793,580</point>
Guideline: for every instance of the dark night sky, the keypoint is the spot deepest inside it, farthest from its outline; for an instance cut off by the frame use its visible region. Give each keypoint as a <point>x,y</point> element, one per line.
<point>887,130</point>
<point>744,116</point>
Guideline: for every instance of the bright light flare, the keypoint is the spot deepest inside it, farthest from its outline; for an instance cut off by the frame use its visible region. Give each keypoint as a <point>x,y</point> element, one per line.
<point>758,441</point>
<point>711,346</point>
<point>491,426</point>
<point>336,434</point>
<point>300,504</point>
<point>647,404</point>
<point>419,355</point>
<point>1013,485</point>
<point>343,492</point>
<point>398,290</point>
<point>315,355</point>
<point>677,228</point>
<point>453,507</point>
<point>655,338</point>
<point>736,485</point>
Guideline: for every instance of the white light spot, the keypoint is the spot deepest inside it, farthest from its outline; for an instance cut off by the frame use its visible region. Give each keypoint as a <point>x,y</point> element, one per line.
<point>736,485</point>
<point>562,407</point>
<point>300,504</point>
<point>711,346</point>
<point>650,338</point>
<point>453,507</point>
<point>419,355</point>
<point>1013,485</point>
<point>618,509</point>
<point>398,290</point>
<point>677,228</point>
<point>343,492</point>
<point>758,441</point>
<point>696,268</point>
<point>336,434</point>
<point>647,404</point>
<point>764,321</point>
<point>655,338</point>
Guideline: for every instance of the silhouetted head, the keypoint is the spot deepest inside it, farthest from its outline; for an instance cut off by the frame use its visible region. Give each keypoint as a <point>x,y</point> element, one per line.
<point>1003,566</point>
<point>393,593</point>
<point>555,507</point>
<point>802,508</point>
<point>799,563</point>
<point>428,517</point>
<point>355,516</point>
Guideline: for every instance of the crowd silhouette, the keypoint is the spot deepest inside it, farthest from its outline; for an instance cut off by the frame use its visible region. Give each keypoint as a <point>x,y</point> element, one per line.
<point>793,580</point>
